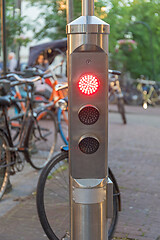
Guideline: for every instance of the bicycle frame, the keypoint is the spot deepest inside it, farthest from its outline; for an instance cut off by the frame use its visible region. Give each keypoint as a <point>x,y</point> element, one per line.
<point>19,96</point>
<point>55,96</point>
<point>28,118</point>
<point>7,132</point>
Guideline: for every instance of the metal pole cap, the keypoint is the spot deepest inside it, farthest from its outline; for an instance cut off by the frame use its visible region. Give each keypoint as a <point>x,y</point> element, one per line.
<point>88,24</point>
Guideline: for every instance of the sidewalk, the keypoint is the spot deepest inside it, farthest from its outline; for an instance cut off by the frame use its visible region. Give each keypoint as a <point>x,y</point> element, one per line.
<point>134,157</point>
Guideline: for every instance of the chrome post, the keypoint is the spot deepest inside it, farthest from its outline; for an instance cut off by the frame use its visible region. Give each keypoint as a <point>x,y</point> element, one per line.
<point>87,7</point>
<point>69,10</point>
<point>87,50</point>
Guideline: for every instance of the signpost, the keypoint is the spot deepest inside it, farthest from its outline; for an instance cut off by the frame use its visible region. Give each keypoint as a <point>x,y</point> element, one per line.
<point>3,34</point>
<point>88,124</point>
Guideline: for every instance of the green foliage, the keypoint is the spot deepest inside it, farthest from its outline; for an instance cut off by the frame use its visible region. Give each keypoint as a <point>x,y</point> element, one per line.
<point>53,12</point>
<point>15,26</point>
<point>121,15</point>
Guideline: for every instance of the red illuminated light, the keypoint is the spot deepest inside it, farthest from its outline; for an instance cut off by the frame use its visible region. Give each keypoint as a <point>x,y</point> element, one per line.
<point>88,84</point>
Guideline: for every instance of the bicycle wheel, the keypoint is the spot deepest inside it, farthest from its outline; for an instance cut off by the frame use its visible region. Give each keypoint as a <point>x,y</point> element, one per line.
<point>133,97</point>
<point>5,163</point>
<point>116,204</point>
<point>42,139</point>
<point>121,109</point>
<point>53,199</point>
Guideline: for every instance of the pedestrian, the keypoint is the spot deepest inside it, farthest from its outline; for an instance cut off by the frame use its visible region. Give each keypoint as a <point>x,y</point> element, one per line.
<point>41,63</point>
<point>12,62</point>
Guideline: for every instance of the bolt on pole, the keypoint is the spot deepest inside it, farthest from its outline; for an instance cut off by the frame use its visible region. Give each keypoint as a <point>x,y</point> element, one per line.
<point>87,56</point>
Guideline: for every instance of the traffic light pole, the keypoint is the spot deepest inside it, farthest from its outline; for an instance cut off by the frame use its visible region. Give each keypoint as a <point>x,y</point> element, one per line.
<point>87,7</point>
<point>69,11</point>
<point>88,124</point>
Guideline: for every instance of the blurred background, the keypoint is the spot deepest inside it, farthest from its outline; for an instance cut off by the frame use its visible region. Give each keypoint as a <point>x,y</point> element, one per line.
<point>133,42</point>
<point>36,37</point>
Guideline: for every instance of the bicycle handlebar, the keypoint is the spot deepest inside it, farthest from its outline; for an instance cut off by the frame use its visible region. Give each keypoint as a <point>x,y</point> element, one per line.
<point>16,72</point>
<point>25,80</point>
<point>115,72</point>
<point>143,81</point>
<point>60,86</point>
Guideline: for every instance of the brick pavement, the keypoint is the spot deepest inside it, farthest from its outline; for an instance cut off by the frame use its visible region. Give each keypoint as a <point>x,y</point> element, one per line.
<point>134,156</point>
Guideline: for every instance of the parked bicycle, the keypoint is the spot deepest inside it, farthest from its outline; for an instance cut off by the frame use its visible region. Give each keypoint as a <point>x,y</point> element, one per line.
<point>150,92</point>
<point>49,93</point>
<point>132,96</point>
<point>53,198</point>
<point>115,94</point>
<point>59,98</point>
<point>36,130</point>
<point>59,91</point>
<point>142,92</point>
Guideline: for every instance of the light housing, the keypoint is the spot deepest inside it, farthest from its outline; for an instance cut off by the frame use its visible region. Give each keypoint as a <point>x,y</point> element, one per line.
<point>88,144</point>
<point>88,114</point>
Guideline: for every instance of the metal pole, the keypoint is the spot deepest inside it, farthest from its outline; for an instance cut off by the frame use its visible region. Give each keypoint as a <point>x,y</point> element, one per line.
<point>3,34</point>
<point>87,52</point>
<point>18,6</point>
<point>87,7</point>
<point>69,11</point>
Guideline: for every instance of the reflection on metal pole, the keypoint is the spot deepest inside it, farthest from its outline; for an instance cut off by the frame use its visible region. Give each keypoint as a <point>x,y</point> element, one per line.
<point>3,34</point>
<point>69,11</point>
<point>87,8</point>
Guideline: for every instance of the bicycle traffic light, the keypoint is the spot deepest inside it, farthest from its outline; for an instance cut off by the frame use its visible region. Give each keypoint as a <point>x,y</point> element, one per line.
<point>88,96</point>
<point>87,67</point>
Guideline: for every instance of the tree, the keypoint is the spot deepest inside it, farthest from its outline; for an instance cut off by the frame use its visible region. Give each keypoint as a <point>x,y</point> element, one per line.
<point>53,12</point>
<point>15,27</point>
<point>120,14</point>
